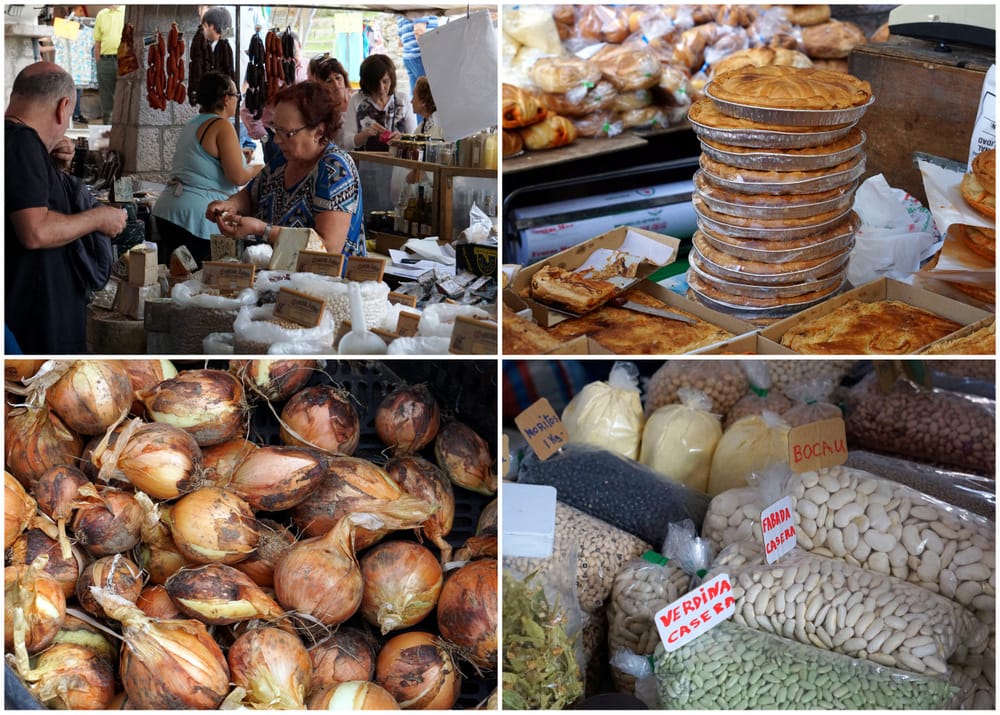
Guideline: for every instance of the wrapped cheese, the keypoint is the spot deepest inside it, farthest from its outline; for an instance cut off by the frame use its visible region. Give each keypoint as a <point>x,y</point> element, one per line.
<point>752,444</point>
<point>679,440</point>
<point>608,414</point>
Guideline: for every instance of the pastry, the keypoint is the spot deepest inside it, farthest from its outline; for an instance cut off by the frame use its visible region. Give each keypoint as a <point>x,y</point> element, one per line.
<point>734,245</point>
<point>558,287</point>
<point>651,117</point>
<point>832,40</point>
<point>619,265</point>
<point>773,201</point>
<point>978,196</point>
<point>841,65</point>
<point>520,107</point>
<point>704,112</point>
<point>985,295</point>
<point>552,132</point>
<point>562,74</point>
<point>597,124</point>
<point>777,87</point>
<point>765,224</point>
<point>524,337</point>
<point>638,99</point>
<point>576,104</point>
<point>629,67</point>
<point>673,87</point>
<point>853,139</point>
<point>979,342</point>
<point>760,57</point>
<point>984,166</point>
<point>806,15</point>
<point>626,332</point>
<point>770,272</point>
<point>886,327</point>
<point>718,170</point>
<point>981,241</point>
<point>718,292</point>
<point>512,143</point>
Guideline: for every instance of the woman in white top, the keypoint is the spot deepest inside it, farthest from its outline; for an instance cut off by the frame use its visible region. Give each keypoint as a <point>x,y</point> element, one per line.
<point>377,114</point>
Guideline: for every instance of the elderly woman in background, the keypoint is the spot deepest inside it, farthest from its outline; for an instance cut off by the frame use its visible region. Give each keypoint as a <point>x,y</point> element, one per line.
<point>208,165</point>
<point>329,71</point>
<point>377,114</point>
<point>310,183</point>
<point>423,105</point>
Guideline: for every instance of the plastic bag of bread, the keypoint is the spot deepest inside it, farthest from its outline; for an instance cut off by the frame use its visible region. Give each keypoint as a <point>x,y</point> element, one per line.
<point>597,125</point>
<point>832,40</point>
<point>563,74</point>
<point>565,18</point>
<point>651,117</point>
<point>773,29</point>
<point>726,41</point>
<point>550,133</point>
<point>674,87</point>
<point>689,49</point>
<point>625,101</point>
<point>806,15</point>
<point>678,441</point>
<point>602,23</point>
<point>751,444</point>
<point>533,25</point>
<point>761,397</point>
<point>741,16</point>
<point>521,107</point>
<point>608,414</point>
<point>581,100</point>
<point>722,380</point>
<point>518,72</point>
<point>628,67</point>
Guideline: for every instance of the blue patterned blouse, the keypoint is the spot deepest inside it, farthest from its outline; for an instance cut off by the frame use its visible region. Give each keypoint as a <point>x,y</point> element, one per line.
<point>333,185</point>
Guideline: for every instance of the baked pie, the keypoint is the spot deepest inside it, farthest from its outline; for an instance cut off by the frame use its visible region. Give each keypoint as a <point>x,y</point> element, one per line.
<point>765,224</point>
<point>704,112</point>
<point>524,337</point>
<point>750,269</point>
<point>843,230</point>
<point>735,174</point>
<point>558,287</point>
<point>886,327</point>
<point>853,139</point>
<point>775,201</point>
<point>979,342</point>
<point>776,87</point>
<point>718,292</point>
<point>978,187</point>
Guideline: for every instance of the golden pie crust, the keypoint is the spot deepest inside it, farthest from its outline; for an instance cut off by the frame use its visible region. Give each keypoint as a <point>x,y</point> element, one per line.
<point>760,268</point>
<point>731,173</point>
<point>523,337</point>
<point>558,287</point>
<point>704,112</point>
<point>886,327</point>
<point>760,244</point>
<point>767,224</point>
<point>627,332</point>
<point>711,290</point>
<point>984,166</point>
<point>981,241</point>
<point>978,196</point>
<point>979,342</point>
<point>767,200</point>
<point>853,139</point>
<point>777,87</point>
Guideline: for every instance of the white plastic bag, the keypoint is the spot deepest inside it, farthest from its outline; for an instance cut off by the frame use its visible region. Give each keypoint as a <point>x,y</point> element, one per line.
<point>608,414</point>
<point>678,441</point>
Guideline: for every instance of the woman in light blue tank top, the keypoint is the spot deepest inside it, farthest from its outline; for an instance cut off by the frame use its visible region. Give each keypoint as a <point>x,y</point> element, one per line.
<point>208,165</point>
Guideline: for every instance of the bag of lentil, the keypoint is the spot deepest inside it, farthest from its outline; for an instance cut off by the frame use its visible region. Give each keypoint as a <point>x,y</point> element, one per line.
<point>617,490</point>
<point>732,667</point>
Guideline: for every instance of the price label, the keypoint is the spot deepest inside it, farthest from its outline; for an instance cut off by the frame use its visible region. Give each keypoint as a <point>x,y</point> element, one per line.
<point>364,269</point>
<point>543,429</point>
<point>473,337</point>
<point>386,336</point>
<point>223,275</point>
<point>778,527</point>
<point>321,263</point>
<point>817,444</point>
<point>403,299</point>
<point>407,324</point>
<point>695,613</point>
<point>299,308</point>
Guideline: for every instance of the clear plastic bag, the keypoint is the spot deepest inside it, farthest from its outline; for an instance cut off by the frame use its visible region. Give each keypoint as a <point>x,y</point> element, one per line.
<point>254,327</point>
<point>678,441</point>
<point>761,396</point>
<point>811,402</point>
<point>608,414</point>
<point>723,381</point>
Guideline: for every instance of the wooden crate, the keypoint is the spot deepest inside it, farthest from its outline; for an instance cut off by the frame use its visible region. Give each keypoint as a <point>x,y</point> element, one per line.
<point>925,100</point>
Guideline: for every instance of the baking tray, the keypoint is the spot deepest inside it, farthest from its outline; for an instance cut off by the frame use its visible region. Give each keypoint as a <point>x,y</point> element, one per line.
<point>752,314</point>
<point>776,161</point>
<point>768,234</point>
<point>825,248</point>
<point>789,117</point>
<point>802,186</point>
<point>816,272</point>
<point>828,284</point>
<point>807,225</point>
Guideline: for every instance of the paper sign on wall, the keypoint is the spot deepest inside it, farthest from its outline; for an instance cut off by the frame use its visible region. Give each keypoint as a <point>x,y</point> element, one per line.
<point>816,445</point>
<point>542,428</point>
<point>695,613</point>
<point>777,525</point>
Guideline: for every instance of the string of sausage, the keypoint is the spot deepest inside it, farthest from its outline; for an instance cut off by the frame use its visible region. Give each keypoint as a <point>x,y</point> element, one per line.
<point>224,61</point>
<point>273,63</point>
<point>176,91</point>
<point>256,93</point>
<point>156,76</point>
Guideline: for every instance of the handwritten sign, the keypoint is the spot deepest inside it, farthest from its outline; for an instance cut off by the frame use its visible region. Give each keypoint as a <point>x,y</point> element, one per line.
<point>542,428</point>
<point>473,337</point>
<point>386,336</point>
<point>817,444</point>
<point>364,269</point>
<point>299,308</point>
<point>695,613</point>
<point>321,263</point>
<point>778,527</point>
<point>224,275</point>
<point>403,299</point>
<point>407,324</point>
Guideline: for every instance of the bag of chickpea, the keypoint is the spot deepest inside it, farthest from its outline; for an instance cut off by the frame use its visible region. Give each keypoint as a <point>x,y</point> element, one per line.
<point>762,396</point>
<point>678,441</point>
<point>722,380</point>
<point>751,444</point>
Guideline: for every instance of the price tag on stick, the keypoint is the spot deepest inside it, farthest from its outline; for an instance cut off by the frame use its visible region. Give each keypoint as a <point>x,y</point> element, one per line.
<point>543,429</point>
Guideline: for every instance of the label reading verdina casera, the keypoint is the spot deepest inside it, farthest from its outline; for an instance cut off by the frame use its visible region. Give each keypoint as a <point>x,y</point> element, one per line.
<point>695,612</point>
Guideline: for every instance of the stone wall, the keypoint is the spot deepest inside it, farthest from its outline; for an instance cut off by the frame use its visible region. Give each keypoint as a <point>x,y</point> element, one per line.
<point>19,49</point>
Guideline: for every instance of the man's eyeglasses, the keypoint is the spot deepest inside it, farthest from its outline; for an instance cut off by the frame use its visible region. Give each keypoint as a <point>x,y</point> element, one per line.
<point>285,133</point>
<point>238,95</point>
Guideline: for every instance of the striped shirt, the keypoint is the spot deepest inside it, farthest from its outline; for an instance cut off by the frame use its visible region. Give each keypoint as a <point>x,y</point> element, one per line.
<point>411,50</point>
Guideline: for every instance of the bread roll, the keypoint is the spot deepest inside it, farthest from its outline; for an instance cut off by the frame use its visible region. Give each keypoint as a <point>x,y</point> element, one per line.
<point>520,107</point>
<point>806,15</point>
<point>638,99</point>
<point>832,40</point>
<point>598,124</point>
<point>512,143</point>
<point>581,101</point>
<point>628,67</point>
<point>552,132</point>
<point>559,75</point>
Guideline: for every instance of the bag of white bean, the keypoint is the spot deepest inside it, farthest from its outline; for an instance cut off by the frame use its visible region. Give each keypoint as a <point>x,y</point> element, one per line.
<point>762,395</point>
<point>938,426</point>
<point>723,381</point>
<point>752,444</point>
<point>608,414</point>
<point>678,441</point>
<point>732,667</point>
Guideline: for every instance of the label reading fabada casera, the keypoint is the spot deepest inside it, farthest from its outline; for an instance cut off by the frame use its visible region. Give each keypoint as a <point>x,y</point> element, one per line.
<point>696,612</point>
<point>777,524</point>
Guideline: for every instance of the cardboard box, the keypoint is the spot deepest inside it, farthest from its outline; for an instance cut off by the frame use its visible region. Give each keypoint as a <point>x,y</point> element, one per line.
<point>142,266</point>
<point>477,259</point>
<point>750,344</point>
<point>877,290</point>
<point>967,330</point>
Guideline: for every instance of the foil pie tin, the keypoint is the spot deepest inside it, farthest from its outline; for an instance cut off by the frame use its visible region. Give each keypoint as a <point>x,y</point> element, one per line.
<point>827,283</point>
<point>791,210</point>
<point>803,275</point>
<point>752,313</point>
<point>776,161</point>
<point>822,249</point>
<point>789,117</point>
<point>770,139</point>
<point>766,234</point>
<point>813,185</point>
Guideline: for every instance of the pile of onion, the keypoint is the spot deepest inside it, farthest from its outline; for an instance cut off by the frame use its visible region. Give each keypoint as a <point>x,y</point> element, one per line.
<point>160,459</point>
<point>323,417</point>
<point>402,581</point>
<point>274,380</point>
<point>210,404</point>
<point>467,611</point>
<point>35,440</point>
<point>407,420</point>
<point>273,667</point>
<point>89,395</point>
<point>425,480</point>
<point>419,672</point>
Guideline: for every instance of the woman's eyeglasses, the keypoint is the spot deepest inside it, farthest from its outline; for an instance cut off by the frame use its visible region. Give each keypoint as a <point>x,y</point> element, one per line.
<point>285,133</point>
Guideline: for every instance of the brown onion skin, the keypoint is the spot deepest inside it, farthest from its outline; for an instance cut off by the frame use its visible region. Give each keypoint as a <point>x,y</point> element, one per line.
<point>56,490</point>
<point>467,611</point>
<point>275,478</point>
<point>402,582</point>
<point>275,541</point>
<point>35,440</point>
<point>407,419</point>
<point>35,542</point>
<point>115,573</point>
<point>110,528</point>
<point>424,479</point>
<point>144,374</point>
<point>486,525</point>
<point>17,370</point>
<point>465,457</point>
<point>155,602</point>
<point>42,627</point>
<point>152,444</point>
<point>264,651</point>
<point>235,533</point>
<point>73,677</point>
<point>219,461</point>
<point>274,380</point>
<point>347,485</point>
<point>364,696</point>
<point>323,417</point>
<point>200,590</point>
<point>91,396</point>
<point>418,672</point>
<point>18,510</point>
<point>177,401</point>
<point>347,654</point>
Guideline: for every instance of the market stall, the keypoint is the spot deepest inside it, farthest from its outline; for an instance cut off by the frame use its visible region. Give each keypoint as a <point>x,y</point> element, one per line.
<point>148,574</point>
<point>749,534</point>
<point>429,204</point>
<point>779,164</point>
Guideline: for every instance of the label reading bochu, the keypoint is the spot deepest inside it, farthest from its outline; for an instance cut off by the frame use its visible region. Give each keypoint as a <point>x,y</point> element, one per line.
<point>816,445</point>
<point>778,527</point>
<point>542,428</point>
<point>696,612</point>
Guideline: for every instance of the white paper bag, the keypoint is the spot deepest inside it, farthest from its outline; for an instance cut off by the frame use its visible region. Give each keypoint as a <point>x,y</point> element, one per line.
<point>460,58</point>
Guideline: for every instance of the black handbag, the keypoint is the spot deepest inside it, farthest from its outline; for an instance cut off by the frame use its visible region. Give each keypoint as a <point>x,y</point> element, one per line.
<point>92,255</point>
